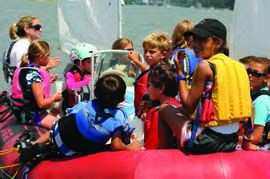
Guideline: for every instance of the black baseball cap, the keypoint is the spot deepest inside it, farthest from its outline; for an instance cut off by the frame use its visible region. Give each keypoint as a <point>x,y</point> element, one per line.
<point>207,28</point>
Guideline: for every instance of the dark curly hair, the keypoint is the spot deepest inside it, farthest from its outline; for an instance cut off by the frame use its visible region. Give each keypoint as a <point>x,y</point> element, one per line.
<point>110,90</point>
<point>164,74</point>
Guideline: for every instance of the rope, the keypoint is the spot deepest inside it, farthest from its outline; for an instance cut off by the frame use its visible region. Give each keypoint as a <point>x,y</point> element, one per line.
<point>16,173</point>
<point>20,165</point>
<point>12,165</point>
<point>3,152</point>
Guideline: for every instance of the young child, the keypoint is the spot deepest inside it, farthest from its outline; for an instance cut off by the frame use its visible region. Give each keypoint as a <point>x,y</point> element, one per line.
<point>156,47</point>
<point>214,127</point>
<point>91,124</point>
<point>183,43</point>
<point>246,60</point>
<point>79,75</point>
<point>258,71</point>
<point>30,82</point>
<point>162,86</point>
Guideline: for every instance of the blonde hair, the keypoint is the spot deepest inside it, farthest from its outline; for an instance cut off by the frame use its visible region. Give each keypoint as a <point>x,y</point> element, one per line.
<point>16,30</point>
<point>158,40</point>
<point>178,38</point>
<point>36,49</point>
<point>121,43</point>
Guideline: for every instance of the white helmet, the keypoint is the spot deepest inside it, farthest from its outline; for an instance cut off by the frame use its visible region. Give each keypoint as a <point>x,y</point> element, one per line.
<point>81,51</point>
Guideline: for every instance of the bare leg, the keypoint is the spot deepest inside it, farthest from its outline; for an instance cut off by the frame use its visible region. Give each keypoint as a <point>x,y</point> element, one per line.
<point>170,121</point>
<point>48,120</point>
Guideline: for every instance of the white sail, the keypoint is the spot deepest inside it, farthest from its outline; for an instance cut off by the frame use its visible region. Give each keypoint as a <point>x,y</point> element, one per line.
<point>92,21</point>
<point>250,29</point>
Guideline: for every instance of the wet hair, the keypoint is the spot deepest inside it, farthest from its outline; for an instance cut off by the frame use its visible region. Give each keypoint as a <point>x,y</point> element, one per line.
<point>16,30</point>
<point>178,38</point>
<point>164,74</point>
<point>158,40</point>
<point>121,43</point>
<point>110,90</point>
<point>264,61</point>
<point>247,59</point>
<point>36,49</point>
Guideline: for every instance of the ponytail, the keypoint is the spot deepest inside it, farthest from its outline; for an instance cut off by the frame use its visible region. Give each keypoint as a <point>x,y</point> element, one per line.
<point>24,61</point>
<point>13,32</point>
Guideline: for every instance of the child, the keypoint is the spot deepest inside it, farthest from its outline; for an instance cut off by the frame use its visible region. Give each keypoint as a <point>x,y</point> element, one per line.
<point>258,71</point>
<point>134,57</point>
<point>246,60</point>
<point>182,43</point>
<point>156,47</point>
<point>30,82</point>
<point>178,38</point>
<point>162,86</point>
<point>90,125</point>
<point>79,75</point>
<point>215,125</point>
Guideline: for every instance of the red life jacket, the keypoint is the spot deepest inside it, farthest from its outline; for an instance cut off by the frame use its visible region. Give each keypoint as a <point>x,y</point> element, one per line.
<point>140,89</point>
<point>151,125</point>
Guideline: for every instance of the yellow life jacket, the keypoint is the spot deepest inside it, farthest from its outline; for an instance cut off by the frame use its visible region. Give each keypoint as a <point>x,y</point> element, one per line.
<point>231,92</point>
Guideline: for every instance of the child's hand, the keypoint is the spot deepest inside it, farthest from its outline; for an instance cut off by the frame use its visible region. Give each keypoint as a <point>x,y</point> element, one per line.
<point>135,145</point>
<point>57,96</point>
<point>53,62</point>
<point>145,106</point>
<point>54,77</point>
<point>133,57</point>
<point>143,116</point>
<point>87,79</point>
<point>179,60</point>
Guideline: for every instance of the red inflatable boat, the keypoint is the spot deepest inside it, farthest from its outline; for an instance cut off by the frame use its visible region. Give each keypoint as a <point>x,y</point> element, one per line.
<point>158,164</point>
<point>132,164</point>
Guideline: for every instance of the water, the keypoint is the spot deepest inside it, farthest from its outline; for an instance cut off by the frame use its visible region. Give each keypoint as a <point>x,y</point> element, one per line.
<point>138,21</point>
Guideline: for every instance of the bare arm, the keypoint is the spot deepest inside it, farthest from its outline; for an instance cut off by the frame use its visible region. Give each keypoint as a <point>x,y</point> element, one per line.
<point>190,98</point>
<point>248,144</point>
<point>118,145</point>
<point>258,126</point>
<point>257,134</point>
<point>53,62</point>
<point>133,56</point>
<point>39,96</point>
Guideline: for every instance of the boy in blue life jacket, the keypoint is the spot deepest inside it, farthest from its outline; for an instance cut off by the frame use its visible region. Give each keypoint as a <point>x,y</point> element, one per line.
<point>89,125</point>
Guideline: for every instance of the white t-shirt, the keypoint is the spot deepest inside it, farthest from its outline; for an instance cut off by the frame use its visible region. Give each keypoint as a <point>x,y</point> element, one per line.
<point>19,48</point>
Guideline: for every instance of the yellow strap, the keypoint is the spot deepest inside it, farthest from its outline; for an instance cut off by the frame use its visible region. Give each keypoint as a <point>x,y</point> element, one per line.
<point>18,169</point>
<point>3,152</point>
<point>9,166</point>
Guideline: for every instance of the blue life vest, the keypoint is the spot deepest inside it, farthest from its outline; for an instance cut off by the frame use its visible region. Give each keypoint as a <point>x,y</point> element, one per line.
<point>190,63</point>
<point>99,125</point>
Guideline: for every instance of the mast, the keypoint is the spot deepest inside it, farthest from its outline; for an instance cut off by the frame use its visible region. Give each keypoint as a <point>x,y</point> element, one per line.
<point>120,17</point>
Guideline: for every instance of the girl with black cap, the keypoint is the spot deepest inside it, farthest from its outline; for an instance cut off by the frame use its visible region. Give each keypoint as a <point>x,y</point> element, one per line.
<point>218,100</point>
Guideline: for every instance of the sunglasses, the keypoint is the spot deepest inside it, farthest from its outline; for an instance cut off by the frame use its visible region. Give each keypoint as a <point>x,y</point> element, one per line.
<point>129,49</point>
<point>36,27</point>
<point>255,73</point>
